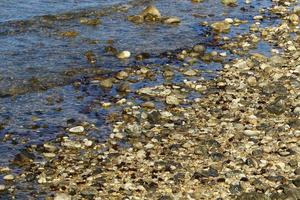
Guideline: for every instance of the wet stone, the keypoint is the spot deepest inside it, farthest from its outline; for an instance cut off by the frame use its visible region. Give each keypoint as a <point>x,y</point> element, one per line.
<point>235,189</point>
<point>76,129</point>
<point>8,177</point>
<point>276,107</point>
<point>297,171</point>
<point>2,188</point>
<point>253,196</point>
<point>296,182</point>
<point>62,196</point>
<point>172,100</point>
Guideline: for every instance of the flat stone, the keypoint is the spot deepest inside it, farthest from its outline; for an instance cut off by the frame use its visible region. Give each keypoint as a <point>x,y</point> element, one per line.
<point>172,100</point>
<point>9,177</point>
<point>62,196</point>
<point>2,187</point>
<point>49,155</point>
<point>76,129</point>
<point>123,55</point>
<point>251,133</point>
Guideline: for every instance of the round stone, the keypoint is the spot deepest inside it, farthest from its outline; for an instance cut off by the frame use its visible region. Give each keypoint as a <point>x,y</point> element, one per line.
<point>172,100</point>
<point>9,177</point>
<point>76,129</point>
<point>123,54</point>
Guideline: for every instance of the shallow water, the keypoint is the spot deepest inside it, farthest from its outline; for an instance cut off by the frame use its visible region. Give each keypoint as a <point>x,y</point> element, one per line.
<point>34,58</point>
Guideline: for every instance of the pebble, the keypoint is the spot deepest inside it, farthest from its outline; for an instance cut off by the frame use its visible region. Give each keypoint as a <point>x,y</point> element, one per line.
<point>252,81</point>
<point>76,129</point>
<point>222,27</point>
<point>172,100</point>
<point>190,72</point>
<point>62,196</point>
<point>171,20</point>
<point>107,83</point>
<point>8,177</point>
<point>151,10</point>
<point>252,133</point>
<point>49,155</point>
<point>124,55</point>
<point>2,187</point>
<point>229,2</point>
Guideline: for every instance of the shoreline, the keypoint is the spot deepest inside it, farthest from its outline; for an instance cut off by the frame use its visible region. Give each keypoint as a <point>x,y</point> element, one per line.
<point>238,140</point>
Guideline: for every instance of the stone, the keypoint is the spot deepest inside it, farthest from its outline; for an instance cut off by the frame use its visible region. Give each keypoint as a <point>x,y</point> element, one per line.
<point>90,22</point>
<point>190,72</point>
<point>62,196</point>
<point>2,188</point>
<point>9,177</point>
<point>49,155</point>
<point>252,81</point>
<point>296,182</point>
<point>221,27</point>
<point>76,129</point>
<point>150,10</point>
<point>171,20</point>
<point>199,48</point>
<point>277,107</point>
<point>107,83</point>
<point>253,196</point>
<point>229,2</point>
<point>123,55</point>
<point>122,75</point>
<point>252,133</point>
<point>172,100</point>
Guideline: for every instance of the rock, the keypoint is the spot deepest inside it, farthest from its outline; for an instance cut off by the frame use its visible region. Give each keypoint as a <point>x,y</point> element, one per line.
<point>69,34</point>
<point>90,22</point>
<point>297,171</point>
<point>296,182</point>
<point>154,117</point>
<point>133,130</point>
<point>253,196</point>
<point>62,196</point>
<point>294,19</point>
<point>190,72</point>
<point>42,179</point>
<point>148,104</point>
<point>9,177</point>
<point>252,81</point>
<point>89,192</point>
<point>122,75</point>
<point>297,110</point>
<point>76,129</point>
<point>49,147</point>
<point>229,2</point>
<point>172,100</point>
<point>235,188</point>
<point>123,55</point>
<point>2,188</point>
<point>49,155</point>
<point>23,158</point>
<point>199,49</point>
<point>107,83</point>
<point>277,107</point>
<point>151,10</point>
<point>252,133</point>
<point>221,27</point>
<point>136,19</point>
<point>171,20</point>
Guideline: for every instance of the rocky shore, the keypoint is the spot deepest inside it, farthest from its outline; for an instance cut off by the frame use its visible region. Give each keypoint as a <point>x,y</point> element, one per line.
<point>239,139</point>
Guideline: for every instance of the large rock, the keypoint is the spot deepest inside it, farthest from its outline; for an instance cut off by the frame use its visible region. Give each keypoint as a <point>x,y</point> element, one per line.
<point>221,27</point>
<point>151,10</point>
